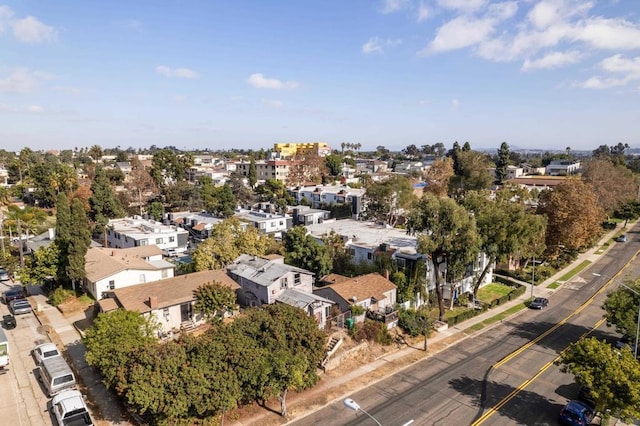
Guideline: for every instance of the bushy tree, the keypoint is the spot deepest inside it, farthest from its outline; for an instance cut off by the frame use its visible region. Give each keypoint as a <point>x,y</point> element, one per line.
<point>113,339</point>
<point>613,375</point>
<point>214,299</point>
<point>386,201</point>
<point>305,252</point>
<point>621,307</point>
<point>502,162</point>
<point>80,239</point>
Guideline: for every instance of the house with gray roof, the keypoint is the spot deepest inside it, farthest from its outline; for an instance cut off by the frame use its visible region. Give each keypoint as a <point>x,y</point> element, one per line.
<point>264,280</point>
<point>315,306</point>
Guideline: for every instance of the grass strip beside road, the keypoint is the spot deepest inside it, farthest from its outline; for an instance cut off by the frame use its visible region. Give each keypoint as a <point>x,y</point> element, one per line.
<point>554,285</point>
<point>575,271</point>
<point>495,318</point>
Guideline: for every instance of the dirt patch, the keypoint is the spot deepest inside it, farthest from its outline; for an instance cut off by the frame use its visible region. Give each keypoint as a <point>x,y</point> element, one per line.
<point>75,306</point>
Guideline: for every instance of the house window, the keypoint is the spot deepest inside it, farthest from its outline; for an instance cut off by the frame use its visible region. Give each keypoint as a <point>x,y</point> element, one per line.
<point>281,223</point>
<point>112,285</point>
<point>296,279</point>
<point>369,255</point>
<point>158,240</point>
<point>165,313</point>
<point>142,278</point>
<point>272,224</point>
<point>327,311</point>
<point>352,252</point>
<point>143,243</point>
<point>172,239</point>
<point>283,282</point>
<point>164,273</point>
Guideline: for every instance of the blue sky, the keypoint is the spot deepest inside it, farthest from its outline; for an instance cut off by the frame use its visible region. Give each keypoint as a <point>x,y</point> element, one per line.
<point>246,74</point>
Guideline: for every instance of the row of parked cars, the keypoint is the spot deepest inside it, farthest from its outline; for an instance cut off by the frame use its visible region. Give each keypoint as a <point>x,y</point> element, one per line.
<point>59,382</point>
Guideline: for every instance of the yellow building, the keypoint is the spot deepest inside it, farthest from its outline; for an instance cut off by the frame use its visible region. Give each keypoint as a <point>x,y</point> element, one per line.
<point>292,149</point>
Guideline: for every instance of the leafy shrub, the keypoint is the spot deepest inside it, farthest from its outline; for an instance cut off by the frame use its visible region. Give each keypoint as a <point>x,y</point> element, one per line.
<point>413,322</point>
<point>60,295</point>
<point>372,331</point>
<point>356,310</point>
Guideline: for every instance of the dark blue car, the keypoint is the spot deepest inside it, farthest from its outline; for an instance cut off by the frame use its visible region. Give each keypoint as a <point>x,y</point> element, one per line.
<point>576,413</point>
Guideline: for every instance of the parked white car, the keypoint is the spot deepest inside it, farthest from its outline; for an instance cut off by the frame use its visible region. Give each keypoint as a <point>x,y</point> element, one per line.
<point>69,408</point>
<point>45,351</point>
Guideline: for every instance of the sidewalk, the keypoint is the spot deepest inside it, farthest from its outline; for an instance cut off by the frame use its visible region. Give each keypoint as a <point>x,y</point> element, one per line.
<point>62,332</point>
<point>402,358</point>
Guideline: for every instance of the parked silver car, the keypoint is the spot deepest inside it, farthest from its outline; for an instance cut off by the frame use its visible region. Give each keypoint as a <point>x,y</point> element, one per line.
<point>20,306</point>
<point>4,276</point>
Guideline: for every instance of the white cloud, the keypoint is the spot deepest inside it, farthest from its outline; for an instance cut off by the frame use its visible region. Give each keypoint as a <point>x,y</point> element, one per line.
<point>459,33</point>
<point>375,44</point>
<point>603,83</point>
<point>261,82</point>
<point>31,30</point>
<point>455,103</point>
<point>273,103</point>
<point>179,98</point>
<point>36,109</point>
<point>552,60</point>
<point>6,14</point>
<point>423,12</point>
<point>391,6</point>
<point>618,63</point>
<point>462,5</point>
<point>176,72</point>
<point>68,90</point>
<point>629,68</point>
<point>22,80</point>
<point>611,34</point>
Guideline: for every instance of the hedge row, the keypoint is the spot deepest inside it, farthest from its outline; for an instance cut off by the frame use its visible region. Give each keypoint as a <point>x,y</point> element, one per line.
<point>518,290</point>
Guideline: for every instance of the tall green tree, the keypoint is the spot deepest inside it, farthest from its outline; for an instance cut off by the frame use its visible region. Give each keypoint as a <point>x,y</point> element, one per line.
<point>112,340</point>
<point>79,241</point>
<point>621,307</point>
<point>613,375</point>
<point>305,252</point>
<point>472,173</point>
<point>42,266</point>
<point>388,200</point>
<point>213,300</point>
<point>446,233</point>
<point>63,236</point>
<point>502,162</point>
<point>228,240</point>
<point>253,174</point>
<point>103,202</point>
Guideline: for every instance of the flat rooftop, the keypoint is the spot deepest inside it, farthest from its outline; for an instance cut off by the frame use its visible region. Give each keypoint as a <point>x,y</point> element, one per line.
<point>366,234</point>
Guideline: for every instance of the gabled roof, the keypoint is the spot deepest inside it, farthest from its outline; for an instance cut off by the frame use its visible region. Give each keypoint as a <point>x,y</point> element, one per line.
<point>261,271</point>
<point>101,262</point>
<point>362,287</point>
<point>170,291</point>
<point>299,299</point>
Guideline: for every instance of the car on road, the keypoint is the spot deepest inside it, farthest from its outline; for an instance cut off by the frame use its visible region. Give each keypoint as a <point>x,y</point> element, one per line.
<point>45,351</point>
<point>69,408</point>
<point>9,322</point>
<point>576,413</point>
<point>20,306</point>
<point>4,275</point>
<point>621,238</point>
<point>539,303</point>
<point>13,294</point>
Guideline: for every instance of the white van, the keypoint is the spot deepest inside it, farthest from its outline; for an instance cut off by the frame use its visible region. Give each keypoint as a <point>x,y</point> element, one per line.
<point>4,352</point>
<point>56,375</point>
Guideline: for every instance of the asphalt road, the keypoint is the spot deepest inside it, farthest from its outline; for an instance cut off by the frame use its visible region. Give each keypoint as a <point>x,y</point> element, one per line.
<point>22,399</point>
<point>503,376</point>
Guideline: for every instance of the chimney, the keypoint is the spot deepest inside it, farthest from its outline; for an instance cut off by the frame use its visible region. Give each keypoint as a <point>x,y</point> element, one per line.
<point>153,302</point>
<point>52,234</point>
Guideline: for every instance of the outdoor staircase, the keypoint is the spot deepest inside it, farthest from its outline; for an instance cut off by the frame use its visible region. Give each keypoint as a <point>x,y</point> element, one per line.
<point>332,347</point>
<point>187,326</point>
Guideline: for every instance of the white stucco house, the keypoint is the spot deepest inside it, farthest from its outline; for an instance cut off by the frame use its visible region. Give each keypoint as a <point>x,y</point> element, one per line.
<point>169,302</point>
<point>138,232</point>
<point>109,269</point>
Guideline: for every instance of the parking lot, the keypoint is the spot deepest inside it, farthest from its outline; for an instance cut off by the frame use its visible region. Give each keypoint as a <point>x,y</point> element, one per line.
<point>23,399</point>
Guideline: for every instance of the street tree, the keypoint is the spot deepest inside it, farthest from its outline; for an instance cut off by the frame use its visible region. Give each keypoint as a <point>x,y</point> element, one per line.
<point>213,300</point>
<point>303,251</point>
<point>42,266</point>
<point>472,173</point>
<point>446,233</point>
<point>621,308</point>
<point>113,338</point>
<point>573,213</point>
<point>229,240</point>
<point>505,227</point>
<point>294,348</point>
<point>386,201</point>
<point>613,184</point>
<point>612,375</point>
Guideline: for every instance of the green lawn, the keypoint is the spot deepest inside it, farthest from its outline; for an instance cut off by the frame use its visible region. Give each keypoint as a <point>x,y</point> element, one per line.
<point>493,291</point>
<point>496,318</point>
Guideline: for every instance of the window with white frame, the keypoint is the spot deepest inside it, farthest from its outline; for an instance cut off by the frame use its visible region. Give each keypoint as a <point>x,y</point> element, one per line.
<point>112,285</point>
<point>283,282</point>
<point>158,240</point>
<point>296,279</point>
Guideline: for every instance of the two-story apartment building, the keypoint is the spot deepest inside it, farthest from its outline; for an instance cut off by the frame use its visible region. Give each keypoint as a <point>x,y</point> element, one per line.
<point>318,196</point>
<point>266,223</point>
<point>138,232</point>
<point>108,269</point>
<point>305,215</point>
<point>270,280</point>
<point>277,169</point>
<point>199,225</point>
<point>285,150</point>
<point>562,168</point>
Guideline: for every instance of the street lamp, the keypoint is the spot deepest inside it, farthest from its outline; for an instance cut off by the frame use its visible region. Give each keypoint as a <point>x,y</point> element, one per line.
<point>635,343</point>
<point>351,404</point>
